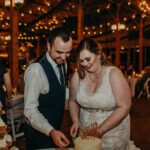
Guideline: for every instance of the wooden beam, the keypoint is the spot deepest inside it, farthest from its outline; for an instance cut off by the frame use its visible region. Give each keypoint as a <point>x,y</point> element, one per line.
<point>38,50</point>
<point>117,38</point>
<point>125,42</point>
<point>80,21</point>
<point>14,46</point>
<point>141,45</point>
<point>51,11</point>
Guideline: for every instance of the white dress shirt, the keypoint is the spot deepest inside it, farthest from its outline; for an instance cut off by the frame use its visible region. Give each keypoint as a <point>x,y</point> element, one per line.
<point>36,83</point>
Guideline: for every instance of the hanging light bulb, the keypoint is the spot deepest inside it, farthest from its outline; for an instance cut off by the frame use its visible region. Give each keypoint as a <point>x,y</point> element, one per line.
<point>144,6</point>
<point>120,26</point>
<point>8,2</point>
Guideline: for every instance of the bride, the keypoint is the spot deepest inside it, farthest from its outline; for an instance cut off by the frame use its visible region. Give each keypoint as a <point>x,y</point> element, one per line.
<point>99,93</point>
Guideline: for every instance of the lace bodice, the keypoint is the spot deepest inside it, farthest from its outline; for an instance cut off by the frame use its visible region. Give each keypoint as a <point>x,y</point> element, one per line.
<point>102,98</point>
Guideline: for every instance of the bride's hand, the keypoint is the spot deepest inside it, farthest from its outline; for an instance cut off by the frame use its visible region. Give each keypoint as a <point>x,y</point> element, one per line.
<point>91,130</point>
<point>99,132</point>
<point>74,129</point>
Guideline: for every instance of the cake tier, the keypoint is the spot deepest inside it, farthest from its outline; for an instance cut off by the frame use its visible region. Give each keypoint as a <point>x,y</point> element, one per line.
<point>89,143</point>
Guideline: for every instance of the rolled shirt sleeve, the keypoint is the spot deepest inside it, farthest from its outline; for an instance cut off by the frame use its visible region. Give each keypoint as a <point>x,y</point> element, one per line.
<point>35,83</point>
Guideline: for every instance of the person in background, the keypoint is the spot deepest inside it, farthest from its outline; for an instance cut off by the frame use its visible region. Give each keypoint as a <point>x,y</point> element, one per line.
<point>44,94</point>
<point>31,55</point>
<point>123,69</point>
<point>130,70</point>
<point>100,98</point>
<point>140,84</point>
<point>5,88</point>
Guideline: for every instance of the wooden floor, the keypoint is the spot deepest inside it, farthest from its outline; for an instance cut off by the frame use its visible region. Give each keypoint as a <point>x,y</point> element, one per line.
<point>140,125</point>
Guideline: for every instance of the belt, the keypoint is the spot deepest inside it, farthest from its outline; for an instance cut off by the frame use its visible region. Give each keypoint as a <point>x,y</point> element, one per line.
<point>92,110</point>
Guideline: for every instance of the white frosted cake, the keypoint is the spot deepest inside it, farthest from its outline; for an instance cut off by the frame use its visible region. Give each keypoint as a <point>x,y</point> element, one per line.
<point>88,143</point>
<point>14,148</point>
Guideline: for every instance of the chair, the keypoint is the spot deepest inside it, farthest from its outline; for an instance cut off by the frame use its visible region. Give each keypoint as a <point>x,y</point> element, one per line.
<point>146,89</point>
<point>15,118</point>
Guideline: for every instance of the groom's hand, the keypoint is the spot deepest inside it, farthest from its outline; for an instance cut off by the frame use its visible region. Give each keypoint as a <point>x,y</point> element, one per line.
<point>59,138</point>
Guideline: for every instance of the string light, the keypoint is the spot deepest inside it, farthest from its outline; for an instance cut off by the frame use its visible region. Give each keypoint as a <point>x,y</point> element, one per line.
<point>120,26</point>
<point>144,6</point>
<point>93,30</point>
<point>7,2</point>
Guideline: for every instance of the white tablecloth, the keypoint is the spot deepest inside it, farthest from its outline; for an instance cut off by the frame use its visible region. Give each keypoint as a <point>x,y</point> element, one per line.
<point>132,147</point>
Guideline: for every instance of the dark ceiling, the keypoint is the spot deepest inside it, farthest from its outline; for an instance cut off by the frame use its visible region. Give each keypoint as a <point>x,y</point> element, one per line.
<point>37,17</point>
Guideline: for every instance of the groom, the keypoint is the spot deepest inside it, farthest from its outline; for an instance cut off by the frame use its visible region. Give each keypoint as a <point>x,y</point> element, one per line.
<point>45,94</point>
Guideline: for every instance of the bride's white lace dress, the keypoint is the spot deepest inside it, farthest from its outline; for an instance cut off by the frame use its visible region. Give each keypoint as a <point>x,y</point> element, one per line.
<point>96,107</point>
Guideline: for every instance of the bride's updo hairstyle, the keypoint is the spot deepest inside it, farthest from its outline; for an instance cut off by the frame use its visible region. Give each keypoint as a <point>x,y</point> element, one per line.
<point>92,46</point>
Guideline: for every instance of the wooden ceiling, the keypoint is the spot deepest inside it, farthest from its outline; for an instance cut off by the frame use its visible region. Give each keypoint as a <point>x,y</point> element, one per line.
<point>37,17</point>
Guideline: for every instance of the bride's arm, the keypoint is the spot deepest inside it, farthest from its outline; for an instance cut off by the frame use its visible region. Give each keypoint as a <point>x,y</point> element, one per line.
<point>73,106</point>
<point>122,97</point>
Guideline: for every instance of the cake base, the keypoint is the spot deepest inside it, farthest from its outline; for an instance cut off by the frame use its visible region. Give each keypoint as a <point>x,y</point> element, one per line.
<point>89,143</point>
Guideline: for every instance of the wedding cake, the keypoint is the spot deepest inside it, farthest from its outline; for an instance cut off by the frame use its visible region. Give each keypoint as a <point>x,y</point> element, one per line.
<point>88,143</point>
<point>6,140</point>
